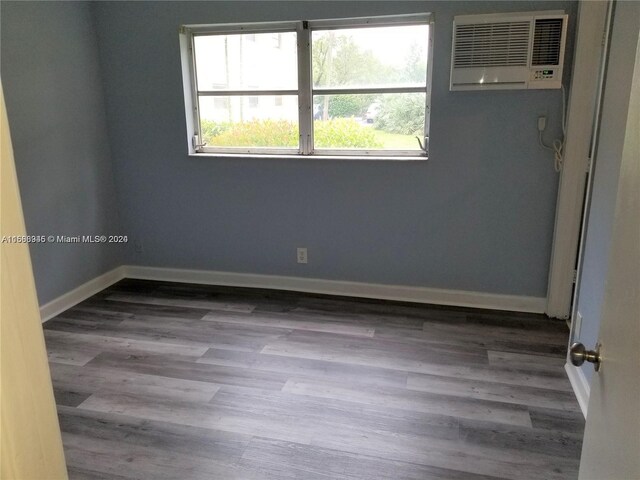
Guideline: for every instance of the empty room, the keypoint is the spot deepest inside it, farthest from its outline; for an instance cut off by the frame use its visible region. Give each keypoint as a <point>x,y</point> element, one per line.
<point>320,240</point>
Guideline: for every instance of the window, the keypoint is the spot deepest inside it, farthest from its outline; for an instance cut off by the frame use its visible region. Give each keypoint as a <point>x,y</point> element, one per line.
<point>358,87</point>
<point>221,103</point>
<point>276,38</point>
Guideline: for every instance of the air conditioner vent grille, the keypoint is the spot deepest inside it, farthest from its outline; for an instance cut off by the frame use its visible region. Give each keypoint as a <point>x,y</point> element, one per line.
<point>547,42</point>
<point>503,44</point>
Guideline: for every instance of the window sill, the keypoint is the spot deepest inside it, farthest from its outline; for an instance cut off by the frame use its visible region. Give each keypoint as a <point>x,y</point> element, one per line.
<point>377,158</point>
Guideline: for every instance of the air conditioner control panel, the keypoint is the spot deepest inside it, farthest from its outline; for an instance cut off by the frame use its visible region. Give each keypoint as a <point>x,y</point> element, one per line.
<point>547,74</point>
<point>550,77</point>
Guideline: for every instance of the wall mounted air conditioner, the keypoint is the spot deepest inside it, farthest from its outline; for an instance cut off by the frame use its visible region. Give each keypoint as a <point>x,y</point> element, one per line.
<point>508,51</point>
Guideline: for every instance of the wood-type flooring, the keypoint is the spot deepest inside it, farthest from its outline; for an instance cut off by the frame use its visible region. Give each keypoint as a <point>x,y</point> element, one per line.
<point>157,380</point>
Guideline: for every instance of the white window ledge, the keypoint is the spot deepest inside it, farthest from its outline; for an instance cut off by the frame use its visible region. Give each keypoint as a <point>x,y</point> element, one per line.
<point>404,158</point>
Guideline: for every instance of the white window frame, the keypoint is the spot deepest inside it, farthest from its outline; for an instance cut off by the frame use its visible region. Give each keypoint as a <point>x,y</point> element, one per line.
<point>305,91</point>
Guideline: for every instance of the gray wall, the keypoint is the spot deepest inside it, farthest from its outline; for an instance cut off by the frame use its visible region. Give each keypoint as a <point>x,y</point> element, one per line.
<point>55,104</point>
<point>599,227</point>
<point>477,216</point>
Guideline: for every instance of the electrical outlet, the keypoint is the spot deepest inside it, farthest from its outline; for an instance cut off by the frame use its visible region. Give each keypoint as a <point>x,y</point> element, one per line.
<point>302,255</point>
<point>542,123</point>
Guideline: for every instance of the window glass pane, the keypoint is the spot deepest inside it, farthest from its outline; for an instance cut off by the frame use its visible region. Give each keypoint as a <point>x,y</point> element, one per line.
<point>257,61</point>
<point>376,56</point>
<point>371,122</point>
<point>249,121</point>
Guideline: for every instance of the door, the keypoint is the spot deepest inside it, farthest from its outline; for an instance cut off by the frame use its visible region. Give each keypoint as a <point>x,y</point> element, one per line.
<point>611,448</point>
<point>31,446</point>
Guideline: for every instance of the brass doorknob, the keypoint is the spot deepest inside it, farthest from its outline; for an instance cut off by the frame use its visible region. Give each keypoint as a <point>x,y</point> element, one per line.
<point>578,354</point>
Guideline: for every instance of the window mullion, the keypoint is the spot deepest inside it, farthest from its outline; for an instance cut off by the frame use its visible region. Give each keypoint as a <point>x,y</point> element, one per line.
<point>368,90</point>
<point>427,111</point>
<point>305,118</point>
<point>245,93</point>
<point>196,135</point>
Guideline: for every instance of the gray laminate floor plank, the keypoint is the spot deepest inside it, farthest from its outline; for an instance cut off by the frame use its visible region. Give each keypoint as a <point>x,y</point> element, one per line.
<point>385,418</point>
<point>163,380</point>
<point>509,413</point>
<point>373,352</point>
<point>557,420</point>
<point>277,424</point>
<point>552,379</point>
<point>287,426</point>
<point>137,461</point>
<point>345,372</point>
<point>484,390</point>
<point>173,301</point>
<point>91,380</point>
<point>466,331</point>
<point>555,443</point>
<point>100,317</point>
<point>70,396</point>
<point>455,457</point>
<point>377,308</point>
<point>177,331</point>
<point>338,326</point>
<point>343,464</point>
<point>192,440</point>
<point>200,372</point>
<point>101,304</point>
<point>469,332</point>
<point>526,361</point>
<point>76,473</point>
<point>75,348</point>
<point>210,329</point>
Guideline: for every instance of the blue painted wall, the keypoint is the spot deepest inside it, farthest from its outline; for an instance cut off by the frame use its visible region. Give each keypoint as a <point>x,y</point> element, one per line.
<point>599,226</point>
<point>477,216</point>
<point>55,104</point>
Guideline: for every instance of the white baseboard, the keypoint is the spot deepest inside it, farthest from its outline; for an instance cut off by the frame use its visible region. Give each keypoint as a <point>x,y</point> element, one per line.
<point>580,385</point>
<point>77,295</point>
<point>343,288</point>
<point>457,298</point>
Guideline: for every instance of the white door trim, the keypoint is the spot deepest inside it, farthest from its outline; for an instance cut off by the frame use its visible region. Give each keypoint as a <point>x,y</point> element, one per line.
<point>580,386</point>
<point>580,122</point>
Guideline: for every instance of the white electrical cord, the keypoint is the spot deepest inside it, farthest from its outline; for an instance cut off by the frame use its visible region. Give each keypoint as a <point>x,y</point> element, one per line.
<point>558,145</point>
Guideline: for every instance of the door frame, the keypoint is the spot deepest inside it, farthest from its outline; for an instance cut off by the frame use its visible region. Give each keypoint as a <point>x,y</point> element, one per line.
<point>589,48</point>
